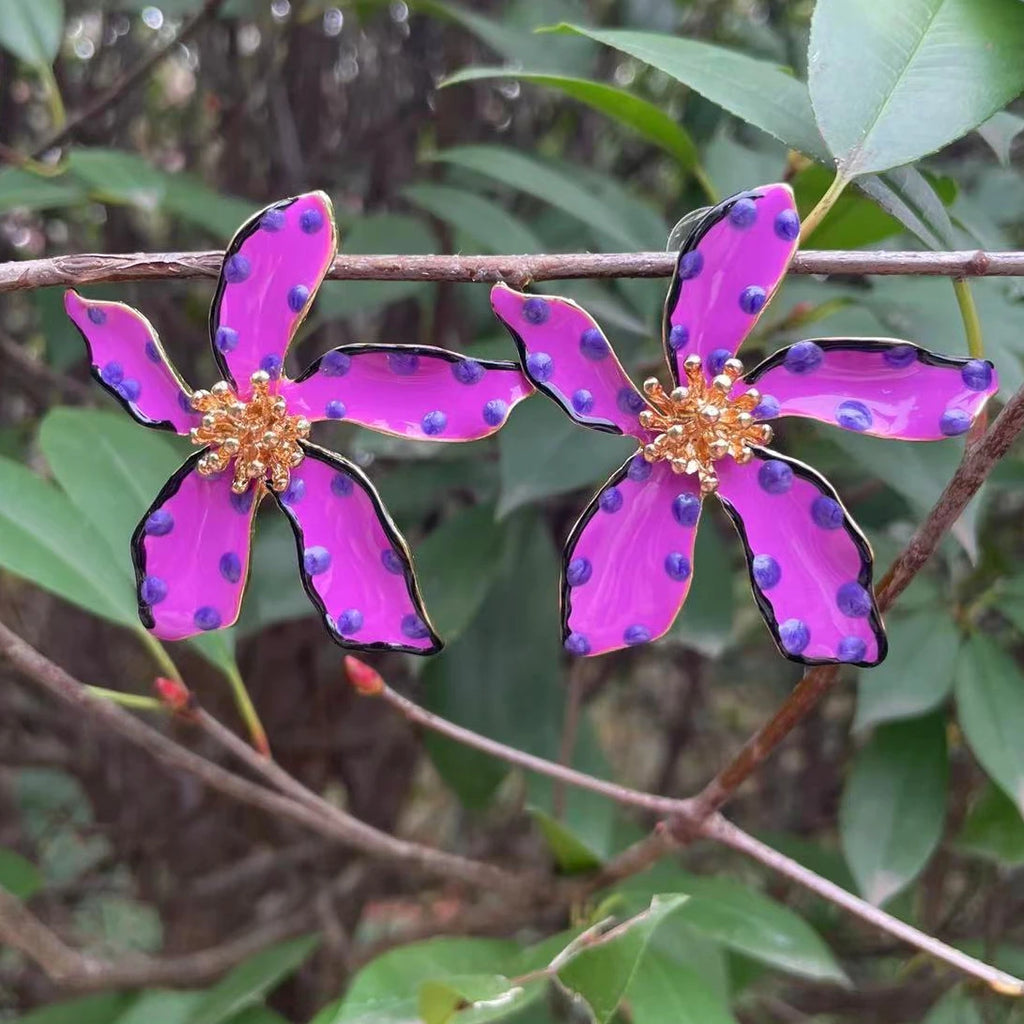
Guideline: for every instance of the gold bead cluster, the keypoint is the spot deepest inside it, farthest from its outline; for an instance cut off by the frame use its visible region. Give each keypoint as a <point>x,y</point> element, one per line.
<point>258,435</point>
<point>698,425</point>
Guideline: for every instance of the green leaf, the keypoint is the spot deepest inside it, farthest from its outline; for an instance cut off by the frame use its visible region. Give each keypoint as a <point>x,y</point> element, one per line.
<point>98,1009</point>
<point>601,972</point>
<point>990,700</point>
<point>571,854</point>
<point>114,176</point>
<point>20,189</point>
<point>249,982</point>
<point>757,91</point>
<point>471,999</point>
<point>543,453</point>
<point>488,224</point>
<point>906,194</point>
<point>994,829</point>
<point>275,593</point>
<point>706,621</point>
<point>635,113</point>
<point>894,805</point>
<point>44,539</point>
<point>18,875</point>
<point>527,174</point>
<point>664,990</point>
<point>955,1007</point>
<point>918,674</point>
<point>923,76</point>
<point>999,131</point>
<point>33,30</point>
<point>161,1006</point>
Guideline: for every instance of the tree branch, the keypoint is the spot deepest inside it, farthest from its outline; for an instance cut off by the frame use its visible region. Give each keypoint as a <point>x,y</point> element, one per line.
<point>92,268</point>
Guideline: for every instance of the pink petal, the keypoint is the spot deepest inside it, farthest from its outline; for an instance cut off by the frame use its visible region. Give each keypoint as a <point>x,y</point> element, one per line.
<point>810,567</point>
<point>272,269</point>
<point>875,386</point>
<point>629,559</point>
<point>191,553</point>
<point>568,358</point>
<point>412,391</point>
<point>129,361</point>
<point>728,269</point>
<point>354,563</point>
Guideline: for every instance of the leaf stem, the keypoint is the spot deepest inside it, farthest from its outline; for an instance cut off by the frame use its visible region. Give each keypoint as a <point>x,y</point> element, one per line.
<point>246,708</point>
<point>127,700</point>
<point>969,314</point>
<point>825,203</point>
<point>160,655</point>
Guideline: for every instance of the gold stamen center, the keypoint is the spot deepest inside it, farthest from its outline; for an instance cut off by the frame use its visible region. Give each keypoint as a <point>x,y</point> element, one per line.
<point>698,424</point>
<point>258,435</point>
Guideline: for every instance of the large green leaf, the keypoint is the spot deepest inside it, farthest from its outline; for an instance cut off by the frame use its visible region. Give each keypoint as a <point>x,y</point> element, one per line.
<point>664,990</point>
<point>601,972</point>
<point>32,29</point>
<point>473,999</point>
<point>757,91</point>
<point>892,85</point>
<point>894,804</point>
<point>1000,131</point>
<point>19,188</point>
<point>994,829</point>
<point>101,1008</point>
<point>19,876</point>
<point>161,1006</point>
<point>918,674</point>
<point>635,113</point>
<point>247,984</point>
<point>990,700</point>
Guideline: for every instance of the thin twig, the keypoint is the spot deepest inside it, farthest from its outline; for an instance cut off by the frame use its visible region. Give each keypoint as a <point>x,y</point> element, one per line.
<point>93,268</point>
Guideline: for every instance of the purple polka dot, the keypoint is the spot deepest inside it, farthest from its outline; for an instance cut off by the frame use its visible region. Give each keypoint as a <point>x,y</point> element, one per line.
<point>414,627</point>
<point>236,269</point>
<point>853,600</point>
<point>678,337</point>
<point>468,371</point>
<point>404,364</point>
<point>854,416</point>
<point>767,409</point>
<point>112,373</point>
<point>795,636</point>
<point>752,299</point>
<point>743,213</point>
<point>294,492</point>
<point>954,422</point>
<point>787,225</point>
<point>686,509</point>
<point>578,572</point>
<point>297,298</point>
<point>349,621</point>
<point>630,401</point>
<point>851,648</point>
<point>766,571</point>
<point>152,352</point>
<point>153,590</point>
<point>390,560</point>
<point>639,469</point>
<point>159,524</point>
<point>690,264</point>
<point>242,503</point>
<point>335,410</point>
<point>311,220</point>
<point>803,357</point>
<point>129,389</point>
<point>610,500</point>
<point>230,567</point>
<point>96,315</point>
<point>495,412</point>
<point>636,634</point>
<point>775,476</point>
<point>827,513</point>
<point>717,360</point>
<point>677,566</point>
<point>582,401</point>
<point>593,345</point>
<point>977,374</point>
<point>434,423</point>
<point>272,220</point>
<point>316,560</point>
<point>335,363</point>
<point>271,363</point>
<point>341,485</point>
<point>899,356</point>
<point>577,643</point>
<point>540,366</point>
<point>536,311</point>
<point>207,617</point>
<point>226,339</point>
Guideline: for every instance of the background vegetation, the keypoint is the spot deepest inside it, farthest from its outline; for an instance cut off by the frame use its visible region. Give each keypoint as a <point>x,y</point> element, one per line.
<point>905,785</point>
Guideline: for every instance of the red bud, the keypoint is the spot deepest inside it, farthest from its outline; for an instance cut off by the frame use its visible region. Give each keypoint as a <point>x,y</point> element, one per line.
<point>177,696</point>
<point>366,679</point>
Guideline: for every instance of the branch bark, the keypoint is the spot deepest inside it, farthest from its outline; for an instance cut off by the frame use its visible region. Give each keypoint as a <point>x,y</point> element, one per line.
<point>93,268</point>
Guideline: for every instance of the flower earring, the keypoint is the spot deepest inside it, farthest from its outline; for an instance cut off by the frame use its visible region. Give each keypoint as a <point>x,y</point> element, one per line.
<point>629,559</point>
<point>191,550</point>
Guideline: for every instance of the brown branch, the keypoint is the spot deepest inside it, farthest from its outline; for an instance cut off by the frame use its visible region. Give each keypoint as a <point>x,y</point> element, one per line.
<point>128,81</point>
<point>92,268</point>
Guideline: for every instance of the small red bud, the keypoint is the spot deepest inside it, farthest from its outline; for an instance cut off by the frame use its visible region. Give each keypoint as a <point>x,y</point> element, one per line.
<point>177,696</point>
<point>802,309</point>
<point>366,679</point>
